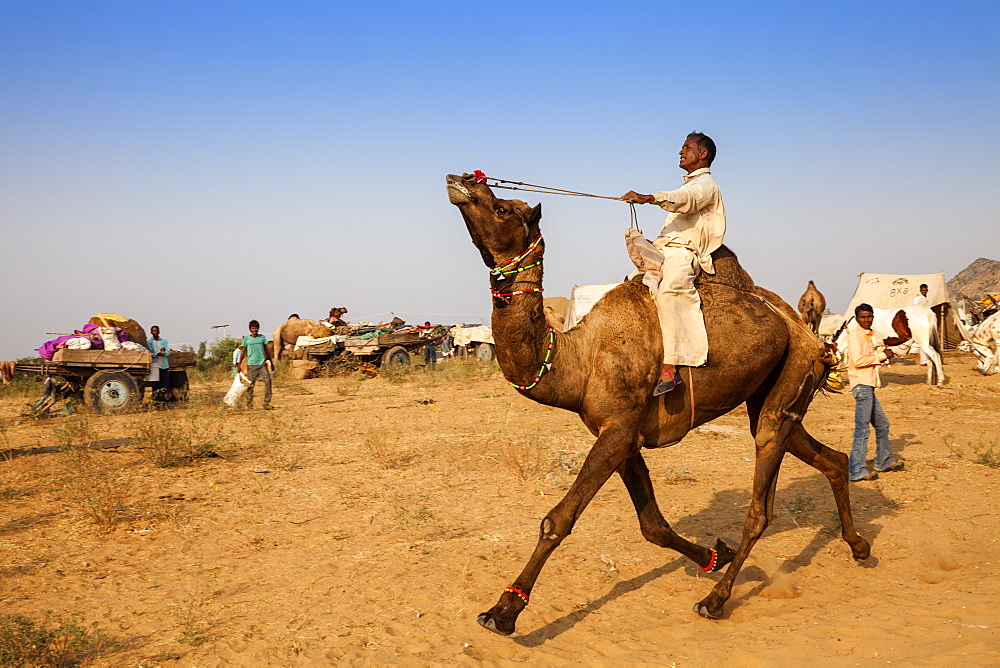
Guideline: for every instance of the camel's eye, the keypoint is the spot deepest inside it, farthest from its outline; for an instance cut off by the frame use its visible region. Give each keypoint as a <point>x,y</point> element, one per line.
<point>501,210</point>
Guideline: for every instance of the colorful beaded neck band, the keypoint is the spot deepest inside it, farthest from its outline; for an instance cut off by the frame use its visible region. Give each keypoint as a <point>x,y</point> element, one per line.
<point>546,363</point>
<point>505,296</point>
<point>503,270</point>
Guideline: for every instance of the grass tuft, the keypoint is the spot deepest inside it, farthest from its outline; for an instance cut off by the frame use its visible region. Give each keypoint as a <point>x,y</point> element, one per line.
<point>177,441</point>
<point>987,455</point>
<point>53,641</point>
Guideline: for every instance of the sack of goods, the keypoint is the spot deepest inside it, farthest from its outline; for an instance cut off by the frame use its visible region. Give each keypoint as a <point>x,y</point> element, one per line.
<point>78,343</point>
<point>236,390</point>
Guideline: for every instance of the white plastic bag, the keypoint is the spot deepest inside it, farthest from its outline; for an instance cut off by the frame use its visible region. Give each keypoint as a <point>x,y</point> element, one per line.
<point>110,338</point>
<point>78,343</point>
<point>236,390</point>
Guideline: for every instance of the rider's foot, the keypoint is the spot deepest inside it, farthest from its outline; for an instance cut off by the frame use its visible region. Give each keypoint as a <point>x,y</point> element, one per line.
<point>669,379</point>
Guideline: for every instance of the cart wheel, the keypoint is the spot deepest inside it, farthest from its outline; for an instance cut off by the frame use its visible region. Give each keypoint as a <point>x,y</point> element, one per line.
<point>179,384</point>
<point>111,392</point>
<point>395,357</point>
<point>485,352</point>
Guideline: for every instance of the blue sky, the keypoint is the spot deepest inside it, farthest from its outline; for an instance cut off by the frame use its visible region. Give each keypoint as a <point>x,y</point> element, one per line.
<point>191,164</point>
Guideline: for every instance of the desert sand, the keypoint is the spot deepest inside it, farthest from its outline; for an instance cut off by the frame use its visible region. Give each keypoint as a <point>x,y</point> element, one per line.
<point>368,523</point>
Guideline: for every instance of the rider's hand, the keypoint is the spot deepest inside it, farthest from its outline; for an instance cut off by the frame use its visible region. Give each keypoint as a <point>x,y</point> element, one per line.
<point>633,197</point>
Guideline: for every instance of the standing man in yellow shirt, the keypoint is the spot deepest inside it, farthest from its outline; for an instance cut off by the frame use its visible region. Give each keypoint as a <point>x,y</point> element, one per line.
<point>693,229</point>
<point>863,361</point>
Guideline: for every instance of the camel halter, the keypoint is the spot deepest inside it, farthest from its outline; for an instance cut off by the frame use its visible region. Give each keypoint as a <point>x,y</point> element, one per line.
<point>501,272</point>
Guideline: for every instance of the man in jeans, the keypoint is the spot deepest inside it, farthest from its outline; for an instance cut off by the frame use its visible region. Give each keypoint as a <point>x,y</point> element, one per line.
<point>862,373</point>
<point>253,349</point>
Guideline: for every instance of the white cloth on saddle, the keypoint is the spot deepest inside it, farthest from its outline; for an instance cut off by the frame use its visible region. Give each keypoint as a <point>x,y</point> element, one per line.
<point>582,300</point>
<point>306,341</point>
<point>647,258</point>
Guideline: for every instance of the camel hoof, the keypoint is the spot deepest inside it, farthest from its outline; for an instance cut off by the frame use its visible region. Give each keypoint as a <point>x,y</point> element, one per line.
<point>703,610</point>
<point>487,622</point>
<point>861,550</point>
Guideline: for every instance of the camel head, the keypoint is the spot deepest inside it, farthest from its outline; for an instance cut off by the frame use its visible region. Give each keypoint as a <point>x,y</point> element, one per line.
<point>500,228</point>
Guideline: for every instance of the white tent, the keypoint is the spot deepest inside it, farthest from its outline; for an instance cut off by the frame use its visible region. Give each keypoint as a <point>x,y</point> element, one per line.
<point>896,290</point>
<point>890,291</point>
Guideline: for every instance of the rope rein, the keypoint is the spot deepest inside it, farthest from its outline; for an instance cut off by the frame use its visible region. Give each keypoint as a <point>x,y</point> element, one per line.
<point>531,187</point>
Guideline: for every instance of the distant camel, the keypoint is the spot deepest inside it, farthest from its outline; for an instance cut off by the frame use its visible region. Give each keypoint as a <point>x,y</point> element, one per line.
<point>605,369</point>
<point>812,303</point>
<point>289,332</point>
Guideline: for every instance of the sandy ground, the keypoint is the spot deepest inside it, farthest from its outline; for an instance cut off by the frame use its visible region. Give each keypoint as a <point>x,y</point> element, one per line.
<point>367,523</point>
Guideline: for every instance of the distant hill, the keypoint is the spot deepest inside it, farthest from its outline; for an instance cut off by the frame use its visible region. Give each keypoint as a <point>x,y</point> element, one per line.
<point>979,278</point>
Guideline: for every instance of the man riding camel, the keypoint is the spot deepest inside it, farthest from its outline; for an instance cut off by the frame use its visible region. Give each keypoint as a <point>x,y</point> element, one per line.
<point>693,229</point>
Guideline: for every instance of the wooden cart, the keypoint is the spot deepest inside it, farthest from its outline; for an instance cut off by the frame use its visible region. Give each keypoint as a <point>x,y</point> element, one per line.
<point>384,350</point>
<point>105,381</point>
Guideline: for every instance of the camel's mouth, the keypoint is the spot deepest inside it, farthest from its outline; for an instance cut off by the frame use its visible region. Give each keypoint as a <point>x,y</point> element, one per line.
<point>459,191</point>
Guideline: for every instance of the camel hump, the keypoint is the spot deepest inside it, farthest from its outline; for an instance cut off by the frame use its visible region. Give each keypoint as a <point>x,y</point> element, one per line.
<point>727,272</point>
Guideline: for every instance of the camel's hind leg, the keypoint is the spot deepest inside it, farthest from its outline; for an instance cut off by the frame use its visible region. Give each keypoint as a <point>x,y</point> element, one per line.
<point>771,437</point>
<point>775,411</point>
<point>616,442</point>
<point>655,528</point>
<point>833,465</point>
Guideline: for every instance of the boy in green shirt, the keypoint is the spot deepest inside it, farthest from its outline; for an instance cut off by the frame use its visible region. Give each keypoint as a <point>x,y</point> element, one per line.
<point>254,350</point>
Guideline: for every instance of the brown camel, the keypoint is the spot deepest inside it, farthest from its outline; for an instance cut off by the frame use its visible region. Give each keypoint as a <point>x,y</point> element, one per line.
<point>812,303</point>
<point>289,332</point>
<point>605,369</point>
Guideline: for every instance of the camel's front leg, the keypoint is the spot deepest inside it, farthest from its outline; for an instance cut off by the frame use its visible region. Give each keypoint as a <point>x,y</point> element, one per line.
<point>655,529</point>
<point>614,444</point>
<point>770,440</point>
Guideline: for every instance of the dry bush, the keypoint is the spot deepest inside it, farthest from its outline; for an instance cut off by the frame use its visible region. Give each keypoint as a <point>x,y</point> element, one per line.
<point>407,373</point>
<point>468,369</point>
<point>102,493</point>
<point>524,456</point>
<point>383,448</point>
<point>75,432</point>
<point>348,385</point>
<point>54,641</point>
<point>172,440</point>
<point>279,438</point>
<point>8,450</point>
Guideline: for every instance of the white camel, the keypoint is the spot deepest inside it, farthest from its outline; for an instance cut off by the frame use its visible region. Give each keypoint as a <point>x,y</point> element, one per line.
<point>922,329</point>
<point>986,344</point>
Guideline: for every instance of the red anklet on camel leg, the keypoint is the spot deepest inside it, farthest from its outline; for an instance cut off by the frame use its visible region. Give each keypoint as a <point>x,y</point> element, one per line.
<point>524,597</point>
<point>711,563</point>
